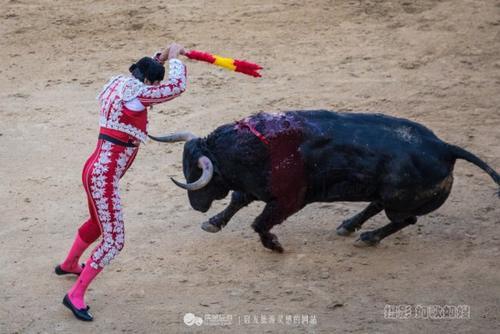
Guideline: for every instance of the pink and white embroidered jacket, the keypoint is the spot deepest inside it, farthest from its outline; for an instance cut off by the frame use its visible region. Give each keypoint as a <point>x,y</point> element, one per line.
<point>124,100</point>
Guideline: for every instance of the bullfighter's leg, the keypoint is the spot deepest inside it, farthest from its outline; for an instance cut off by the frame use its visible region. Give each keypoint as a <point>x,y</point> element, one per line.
<point>217,222</point>
<point>371,238</point>
<point>352,224</point>
<point>272,215</point>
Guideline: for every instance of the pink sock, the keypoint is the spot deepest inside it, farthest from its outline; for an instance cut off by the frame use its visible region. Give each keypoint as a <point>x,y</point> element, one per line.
<point>71,263</point>
<point>77,293</point>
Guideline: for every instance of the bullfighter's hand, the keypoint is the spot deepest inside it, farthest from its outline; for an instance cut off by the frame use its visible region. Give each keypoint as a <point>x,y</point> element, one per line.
<point>174,50</point>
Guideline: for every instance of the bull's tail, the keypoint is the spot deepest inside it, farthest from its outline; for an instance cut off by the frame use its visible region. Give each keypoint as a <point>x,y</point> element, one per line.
<point>460,153</point>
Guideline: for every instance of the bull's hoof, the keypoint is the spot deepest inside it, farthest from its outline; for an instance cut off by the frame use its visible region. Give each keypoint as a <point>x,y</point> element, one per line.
<point>343,231</point>
<point>366,239</point>
<point>277,247</point>
<point>208,227</point>
<point>271,242</point>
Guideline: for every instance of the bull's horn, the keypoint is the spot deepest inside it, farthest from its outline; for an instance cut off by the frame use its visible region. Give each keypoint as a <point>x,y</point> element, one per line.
<point>174,137</point>
<point>208,171</point>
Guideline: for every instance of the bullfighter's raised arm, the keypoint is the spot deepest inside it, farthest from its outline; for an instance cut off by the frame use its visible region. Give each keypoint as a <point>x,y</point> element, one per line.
<point>168,90</point>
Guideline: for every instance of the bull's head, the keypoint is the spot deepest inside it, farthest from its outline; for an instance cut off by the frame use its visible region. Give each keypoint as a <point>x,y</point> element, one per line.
<point>204,184</point>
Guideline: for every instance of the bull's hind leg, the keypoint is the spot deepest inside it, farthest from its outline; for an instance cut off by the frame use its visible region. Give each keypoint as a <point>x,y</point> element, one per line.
<point>272,215</point>
<point>371,238</point>
<point>352,224</point>
<point>238,201</point>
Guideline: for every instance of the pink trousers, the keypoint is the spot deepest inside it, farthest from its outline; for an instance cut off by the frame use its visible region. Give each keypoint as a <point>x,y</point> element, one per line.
<point>101,175</point>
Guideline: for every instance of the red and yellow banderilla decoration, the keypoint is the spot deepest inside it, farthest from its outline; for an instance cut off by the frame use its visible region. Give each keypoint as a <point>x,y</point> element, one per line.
<point>236,65</point>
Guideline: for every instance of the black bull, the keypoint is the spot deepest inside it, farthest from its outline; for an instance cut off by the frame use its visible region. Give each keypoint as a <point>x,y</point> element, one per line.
<point>291,159</point>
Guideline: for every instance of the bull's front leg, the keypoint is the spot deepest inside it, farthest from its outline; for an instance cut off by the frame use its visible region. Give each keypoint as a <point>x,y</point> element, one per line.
<point>352,224</point>
<point>217,222</point>
<point>272,215</point>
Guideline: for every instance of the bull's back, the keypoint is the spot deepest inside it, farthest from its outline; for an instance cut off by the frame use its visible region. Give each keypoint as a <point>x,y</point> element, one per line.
<point>362,129</point>
<point>355,157</point>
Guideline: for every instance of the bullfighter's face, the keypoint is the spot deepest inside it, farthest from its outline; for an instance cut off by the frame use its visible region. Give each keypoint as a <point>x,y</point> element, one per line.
<point>201,199</point>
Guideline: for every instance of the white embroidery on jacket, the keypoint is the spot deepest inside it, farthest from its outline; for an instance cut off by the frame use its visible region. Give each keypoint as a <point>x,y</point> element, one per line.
<point>122,89</point>
<point>118,91</point>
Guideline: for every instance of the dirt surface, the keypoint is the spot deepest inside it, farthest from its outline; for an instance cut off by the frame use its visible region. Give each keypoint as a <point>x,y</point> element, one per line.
<point>435,62</point>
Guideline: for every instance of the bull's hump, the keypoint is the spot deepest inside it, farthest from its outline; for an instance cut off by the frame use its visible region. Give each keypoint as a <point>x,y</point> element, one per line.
<point>275,125</point>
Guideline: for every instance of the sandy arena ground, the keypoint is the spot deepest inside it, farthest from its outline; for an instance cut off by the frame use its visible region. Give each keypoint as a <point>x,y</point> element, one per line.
<point>436,62</point>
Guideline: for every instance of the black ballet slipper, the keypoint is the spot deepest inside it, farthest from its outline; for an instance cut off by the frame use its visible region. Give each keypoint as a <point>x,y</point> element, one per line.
<point>59,271</point>
<point>82,314</point>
